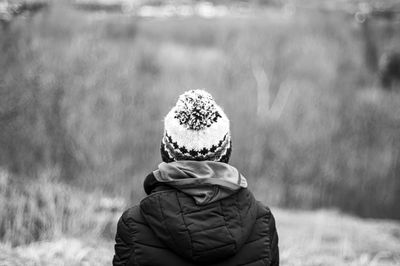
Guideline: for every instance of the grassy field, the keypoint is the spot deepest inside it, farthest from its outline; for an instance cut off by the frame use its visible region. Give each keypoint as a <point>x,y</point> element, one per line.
<point>46,223</point>
<point>320,238</point>
<point>83,96</point>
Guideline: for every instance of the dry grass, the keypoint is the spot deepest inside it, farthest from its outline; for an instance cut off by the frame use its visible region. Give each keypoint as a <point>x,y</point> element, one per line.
<point>64,251</point>
<point>306,239</point>
<point>46,209</point>
<point>331,238</point>
<point>45,222</point>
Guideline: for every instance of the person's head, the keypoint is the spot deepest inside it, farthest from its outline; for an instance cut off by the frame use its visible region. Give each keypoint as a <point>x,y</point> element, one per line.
<point>196,128</point>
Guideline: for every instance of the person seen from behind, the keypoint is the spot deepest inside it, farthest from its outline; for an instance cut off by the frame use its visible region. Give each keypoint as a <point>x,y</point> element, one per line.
<point>198,210</point>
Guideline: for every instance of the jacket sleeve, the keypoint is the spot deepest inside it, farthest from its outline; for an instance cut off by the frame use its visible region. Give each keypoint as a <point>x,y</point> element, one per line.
<point>124,252</point>
<point>274,242</point>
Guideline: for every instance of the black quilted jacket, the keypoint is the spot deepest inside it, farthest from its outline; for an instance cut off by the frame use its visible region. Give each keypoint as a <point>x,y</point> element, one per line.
<point>168,228</point>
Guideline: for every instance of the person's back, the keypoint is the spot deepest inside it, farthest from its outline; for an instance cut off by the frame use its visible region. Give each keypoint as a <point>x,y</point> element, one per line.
<point>198,210</point>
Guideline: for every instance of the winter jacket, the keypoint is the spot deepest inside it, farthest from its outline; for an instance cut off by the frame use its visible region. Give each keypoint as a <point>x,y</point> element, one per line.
<point>204,222</point>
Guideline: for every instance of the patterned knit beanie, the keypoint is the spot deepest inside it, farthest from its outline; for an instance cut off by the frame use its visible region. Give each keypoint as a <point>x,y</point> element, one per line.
<point>196,128</point>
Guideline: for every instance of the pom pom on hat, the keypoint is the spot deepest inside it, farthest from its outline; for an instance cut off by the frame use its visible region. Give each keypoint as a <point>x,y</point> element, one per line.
<point>196,128</point>
<point>196,110</point>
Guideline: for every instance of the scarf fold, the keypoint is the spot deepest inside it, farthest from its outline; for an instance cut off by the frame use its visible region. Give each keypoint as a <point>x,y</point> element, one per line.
<point>205,181</point>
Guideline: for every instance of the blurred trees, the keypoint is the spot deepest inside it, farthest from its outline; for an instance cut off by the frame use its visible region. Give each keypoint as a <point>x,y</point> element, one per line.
<point>32,121</point>
<point>87,96</point>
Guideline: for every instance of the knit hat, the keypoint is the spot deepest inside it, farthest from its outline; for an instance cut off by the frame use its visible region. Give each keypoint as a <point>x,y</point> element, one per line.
<point>196,128</point>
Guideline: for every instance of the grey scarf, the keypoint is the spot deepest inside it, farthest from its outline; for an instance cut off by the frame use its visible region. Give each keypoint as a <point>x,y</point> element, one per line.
<point>205,181</point>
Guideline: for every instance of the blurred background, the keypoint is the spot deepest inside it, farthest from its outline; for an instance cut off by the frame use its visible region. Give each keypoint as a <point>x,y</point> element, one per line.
<point>312,89</point>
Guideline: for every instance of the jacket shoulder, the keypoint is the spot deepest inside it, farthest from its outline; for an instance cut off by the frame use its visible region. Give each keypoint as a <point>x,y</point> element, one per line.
<point>132,216</point>
<point>127,224</point>
<point>263,210</point>
<point>140,244</point>
<point>134,239</point>
<point>133,226</point>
